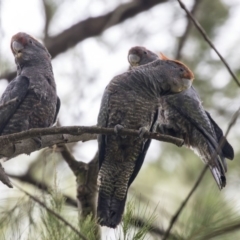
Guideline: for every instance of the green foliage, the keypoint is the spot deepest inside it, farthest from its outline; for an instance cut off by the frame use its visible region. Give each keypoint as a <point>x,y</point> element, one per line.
<point>127,231</point>
<point>53,228</point>
<point>208,215</point>
<point>89,228</point>
<point>15,218</point>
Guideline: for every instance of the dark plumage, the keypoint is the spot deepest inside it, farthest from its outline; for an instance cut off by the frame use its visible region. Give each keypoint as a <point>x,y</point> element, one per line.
<point>182,115</point>
<point>30,100</point>
<point>131,101</point>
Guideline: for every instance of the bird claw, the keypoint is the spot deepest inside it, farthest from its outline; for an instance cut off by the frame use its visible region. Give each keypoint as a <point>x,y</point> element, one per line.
<point>142,131</point>
<point>38,141</point>
<point>161,128</point>
<point>118,128</point>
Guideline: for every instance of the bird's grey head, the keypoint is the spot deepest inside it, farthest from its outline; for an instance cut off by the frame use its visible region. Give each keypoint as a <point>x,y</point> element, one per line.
<point>25,48</point>
<point>140,55</point>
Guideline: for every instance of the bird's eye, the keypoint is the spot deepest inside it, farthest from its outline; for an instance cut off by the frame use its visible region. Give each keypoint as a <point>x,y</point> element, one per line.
<point>181,69</point>
<point>30,41</point>
<point>145,52</point>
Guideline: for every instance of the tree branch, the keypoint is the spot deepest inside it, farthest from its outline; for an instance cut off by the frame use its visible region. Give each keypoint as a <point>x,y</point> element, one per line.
<point>27,146</point>
<point>59,217</point>
<point>176,215</point>
<point>28,178</point>
<point>23,142</point>
<point>80,130</point>
<point>90,27</point>
<point>48,16</point>
<point>184,37</point>
<point>207,39</point>
<point>86,177</point>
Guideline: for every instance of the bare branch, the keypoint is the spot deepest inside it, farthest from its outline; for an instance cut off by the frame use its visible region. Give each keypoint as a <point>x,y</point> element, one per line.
<point>176,215</point>
<point>59,217</point>
<point>8,75</point>
<point>207,39</point>
<point>92,26</point>
<point>232,122</point>
<point>87,188</point>
<point>184,37</point>
<point>13,149</point>
<point>27,178</point>
<point>23,142</point>
<point>86,178</point>
<point>48,16</point>
<point>79,130</point>
<point>73,164</point>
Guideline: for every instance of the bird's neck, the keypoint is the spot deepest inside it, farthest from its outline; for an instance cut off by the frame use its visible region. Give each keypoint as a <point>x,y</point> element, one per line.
<point>150,83</point>
<point>42,71</point>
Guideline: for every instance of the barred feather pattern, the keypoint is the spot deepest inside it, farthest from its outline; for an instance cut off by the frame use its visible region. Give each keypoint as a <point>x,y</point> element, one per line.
<point>131,100</point>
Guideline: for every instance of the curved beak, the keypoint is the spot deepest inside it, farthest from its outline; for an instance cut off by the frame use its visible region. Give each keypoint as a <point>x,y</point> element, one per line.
<point>133,59</point>
<point>17,47</point>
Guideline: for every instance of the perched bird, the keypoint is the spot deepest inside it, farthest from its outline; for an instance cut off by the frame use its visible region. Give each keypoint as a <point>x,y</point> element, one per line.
<point>182,115</point>
<point>131,101</point>
<point>30,100</point>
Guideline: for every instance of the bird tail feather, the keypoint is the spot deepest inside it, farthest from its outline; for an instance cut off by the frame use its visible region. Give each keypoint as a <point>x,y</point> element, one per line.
<point>110,210</point>
<point>218,169</point>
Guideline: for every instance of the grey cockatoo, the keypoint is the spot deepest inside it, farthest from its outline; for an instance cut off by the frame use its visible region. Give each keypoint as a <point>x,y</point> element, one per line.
<point>182,115</point>
<point>30,100</point>
<point>131,100</point>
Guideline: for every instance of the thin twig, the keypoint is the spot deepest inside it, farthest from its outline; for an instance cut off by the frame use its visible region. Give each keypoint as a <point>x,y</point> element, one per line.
<point>69,158</point>
<point>59,217</point>
<point>27,178</point>
<point>48,16</point>
<point>207,39</point>
<point>233,121</point>
<point>183,38</point>
<point>176,215</point>
<point>28,146</point>
<point>86,178</point>
<point>223,139</point>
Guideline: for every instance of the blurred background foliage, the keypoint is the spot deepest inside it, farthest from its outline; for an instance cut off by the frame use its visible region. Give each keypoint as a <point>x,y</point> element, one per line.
<point>83,71</point>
